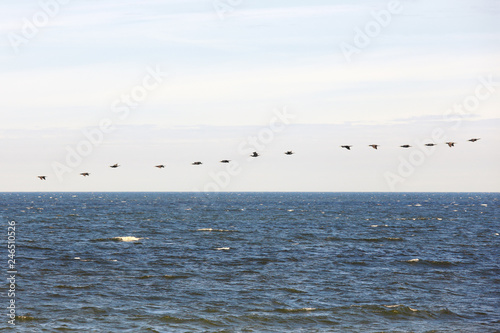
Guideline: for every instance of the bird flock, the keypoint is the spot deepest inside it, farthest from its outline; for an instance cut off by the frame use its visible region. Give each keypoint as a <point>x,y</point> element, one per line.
<point>289,152</point>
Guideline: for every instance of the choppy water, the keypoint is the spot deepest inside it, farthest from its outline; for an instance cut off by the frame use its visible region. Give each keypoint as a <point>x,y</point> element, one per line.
<point>254,262</point>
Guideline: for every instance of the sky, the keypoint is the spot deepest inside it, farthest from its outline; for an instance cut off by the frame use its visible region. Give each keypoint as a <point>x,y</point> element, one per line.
<point>87,84</point>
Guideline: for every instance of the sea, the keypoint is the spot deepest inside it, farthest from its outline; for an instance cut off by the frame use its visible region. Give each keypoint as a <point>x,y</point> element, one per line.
<point>250,262</point>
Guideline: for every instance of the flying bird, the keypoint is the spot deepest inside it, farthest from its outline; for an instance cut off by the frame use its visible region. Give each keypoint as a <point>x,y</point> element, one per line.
<point>42,177</point>
<point>197,163</point>
<point>374,146</point>
<point>225,161</point>
<point>450,144</point>
<point>255,154</point>
<point>161,166</point>
<point>473,140</point>
<point>289,152</point>
<point>85,174</point>
<point>430,144</point>
<point>346,147</point>
<point>114,166</point>
<point>405,146</point>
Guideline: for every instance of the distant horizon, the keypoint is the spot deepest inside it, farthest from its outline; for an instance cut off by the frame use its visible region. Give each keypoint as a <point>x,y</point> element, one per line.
<point>319,192</point>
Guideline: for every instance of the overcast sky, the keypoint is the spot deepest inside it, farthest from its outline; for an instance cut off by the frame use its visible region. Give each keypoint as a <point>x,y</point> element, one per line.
<point>87,84</point>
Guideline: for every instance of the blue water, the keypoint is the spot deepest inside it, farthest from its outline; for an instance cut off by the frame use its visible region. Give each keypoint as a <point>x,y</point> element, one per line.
<point>254,262</point>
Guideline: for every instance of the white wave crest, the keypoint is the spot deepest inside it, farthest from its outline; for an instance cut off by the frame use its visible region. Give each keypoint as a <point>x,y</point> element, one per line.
<point>400,305</point>
<point>214,230</point>
<point>127,239</point>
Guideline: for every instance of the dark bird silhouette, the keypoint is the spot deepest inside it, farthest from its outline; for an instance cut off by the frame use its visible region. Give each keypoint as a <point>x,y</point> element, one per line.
<point>85,174</point>
<point>255,154</point>
<point>405,146</point>
<point>289,152</point>
<point>346,147</point>
<point>161,166</point>
<point>473,140</point>
<point>450,144</point>
<point>430,144</point>
<point>374,146</point>
<point>197,163</point>
<point>225,161</point>
<point>114,166</point>
<point>42,177</point>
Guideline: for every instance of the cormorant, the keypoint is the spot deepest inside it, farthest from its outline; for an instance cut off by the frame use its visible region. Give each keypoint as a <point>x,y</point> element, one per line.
<point>225,161</point>
<point>85,174</point>
<point>289,152</point>
<point>197,163</point>
<point>405,146</point>
<point>346,147</point>
<point>450,144</point>
<point>161,166</point>
<point>374,146</point>
<point>473,140</point>
<point>42,177</point>
<point>255,154</point>
<point>114,166</point>
<point>430,144</point>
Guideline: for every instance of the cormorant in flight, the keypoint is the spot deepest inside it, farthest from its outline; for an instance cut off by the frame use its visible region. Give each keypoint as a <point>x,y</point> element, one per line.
<point>197,163</point>
<point>114,166</point>
<point>473,140</point>
<point>405,146</point>
<point>374,146</point>
<point>255,154</point>
<point>161,166</point>
<point>42,177</point>
<point>225,161</point>
<point>289,152</point>
<point>450,144</point>
<point>85,174</point>
<point>430,144</point>
<point>346,147</point>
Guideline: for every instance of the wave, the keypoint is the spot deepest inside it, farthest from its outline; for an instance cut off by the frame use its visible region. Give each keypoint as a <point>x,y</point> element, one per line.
<point>381,239</point>
<point>399,306</point>
<point>215,230</point>
<point>437,263</point>
<point>127,239</point>
<point>118,239</point>
<point>169,277</point>
<point>174,277</point>
<point>369,240</point>
<point>26,318</point>
<point>295,310</point>
<point>62,286</point>
<point>293,290</point>
<point>199,321</point>
<point>401,310</point>
<point>35,247</point>
<point>283,320</point>
<point>420,218</point>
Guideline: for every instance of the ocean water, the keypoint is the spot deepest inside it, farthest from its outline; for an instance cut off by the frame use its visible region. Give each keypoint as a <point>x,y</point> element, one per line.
<point>253,262</point>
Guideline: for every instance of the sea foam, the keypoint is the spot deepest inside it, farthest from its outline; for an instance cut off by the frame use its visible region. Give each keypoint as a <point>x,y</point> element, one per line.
<point>127,239</point>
